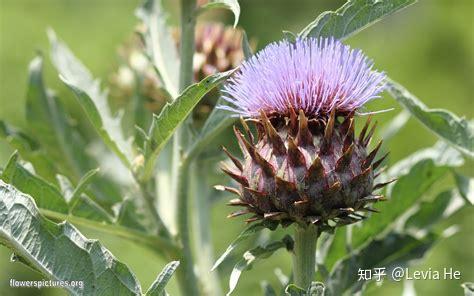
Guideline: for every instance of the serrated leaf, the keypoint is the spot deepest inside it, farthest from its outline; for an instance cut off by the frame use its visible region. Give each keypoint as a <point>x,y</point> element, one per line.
<point>446,125</point>
<point>173,114</point>
<point>232,5</point>
<point>47,196</point>
<point>160,45</point>
<point>466,187</point>
<point>92,99</point>
<point>158,286</point>
<point>244,235</point>
<point>393,250</point>
<point>352,17</point>
<point>413,181</point>
<point>249,258</point>
<point>60,251</point>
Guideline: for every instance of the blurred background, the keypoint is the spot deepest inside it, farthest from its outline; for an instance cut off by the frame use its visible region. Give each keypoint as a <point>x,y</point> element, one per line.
<point>429,48</point>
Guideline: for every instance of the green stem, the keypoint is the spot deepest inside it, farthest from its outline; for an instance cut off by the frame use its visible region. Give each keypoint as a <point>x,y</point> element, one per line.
<point>304,257</point>
<point>185,274</point>
<point>199,189</point>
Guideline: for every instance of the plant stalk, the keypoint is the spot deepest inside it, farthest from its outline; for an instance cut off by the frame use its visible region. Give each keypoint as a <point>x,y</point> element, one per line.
<point>304,255</point>
<point>185,273</point>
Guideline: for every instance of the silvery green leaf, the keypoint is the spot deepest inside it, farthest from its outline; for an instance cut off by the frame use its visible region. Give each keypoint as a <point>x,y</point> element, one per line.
<point>466,187</point>
<point>392,250</point>
<point>468,289</point>
<point>245,234</point>
<point>446,125</point>
<point>160,45</point>
<point>60,251</point>
<point>232,5</point>
<point>47,196</point>
<point>92,99</point>
<point>158,286</point>
<point>352,17</point>
<point>416,174</point>
<point>173,114</point>
<point>249,258</point>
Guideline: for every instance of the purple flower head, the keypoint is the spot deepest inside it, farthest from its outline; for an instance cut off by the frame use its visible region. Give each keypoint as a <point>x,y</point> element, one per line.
<point>314,75</point>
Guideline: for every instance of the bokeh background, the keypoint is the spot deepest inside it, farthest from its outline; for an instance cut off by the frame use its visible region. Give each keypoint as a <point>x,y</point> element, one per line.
<point>428,47</point>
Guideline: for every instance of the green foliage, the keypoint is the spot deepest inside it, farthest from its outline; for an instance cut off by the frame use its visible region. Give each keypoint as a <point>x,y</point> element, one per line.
<point>244,235</point>
<point>172,115</point>
<point>249,257</point>
<point>60,251</point>
<point>92,99</point>
<point>455,130</point>
<point>158,286</point>
<point>160,46</point>
<point>352,17</point>
<point>232,5</point>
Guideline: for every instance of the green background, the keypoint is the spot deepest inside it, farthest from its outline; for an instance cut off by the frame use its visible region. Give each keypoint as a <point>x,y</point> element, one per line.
<point>429,48</point>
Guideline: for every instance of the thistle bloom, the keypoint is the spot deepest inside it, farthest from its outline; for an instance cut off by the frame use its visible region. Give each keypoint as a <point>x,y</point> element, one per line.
<point>313,75</point>
<point>305,165</point>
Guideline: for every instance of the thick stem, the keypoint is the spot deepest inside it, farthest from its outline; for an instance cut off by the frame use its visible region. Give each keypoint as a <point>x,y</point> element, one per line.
<point>199,189</point>
<point>186,276</point>
<point>304,257</point>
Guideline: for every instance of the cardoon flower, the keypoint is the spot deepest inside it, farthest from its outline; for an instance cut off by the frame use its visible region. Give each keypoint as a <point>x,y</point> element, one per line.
<point>306,164</point>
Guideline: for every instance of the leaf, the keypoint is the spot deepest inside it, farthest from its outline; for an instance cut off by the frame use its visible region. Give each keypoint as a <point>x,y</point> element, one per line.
<point>352,17</point>
<point>158,286</point>
<point>173,114</point>
<point>466,187</point>
<point>85,212</point>
<point>468,289</point>
<point>160,45</point>
<point>232,5</point>
<point>412,183</point>
<point>129,216</point>
<point>431,212</point>
<point>245,234</point>
<point>47,196</point>
<point>393,250</point>
<point>30,150</point>
<point>246,46</point>
<point>446,125</point>
<point>60,251</point>
<point>249,258</point>
<point>92,99</point>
